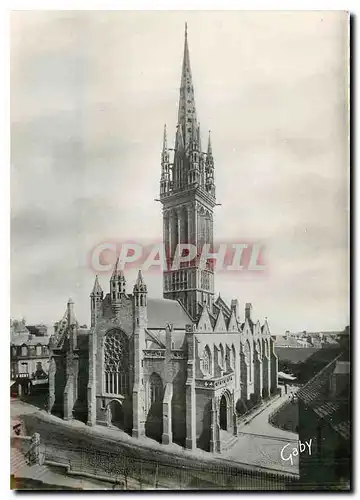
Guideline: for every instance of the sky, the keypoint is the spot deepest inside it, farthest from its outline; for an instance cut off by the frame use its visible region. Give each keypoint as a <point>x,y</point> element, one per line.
<point>90,93</point>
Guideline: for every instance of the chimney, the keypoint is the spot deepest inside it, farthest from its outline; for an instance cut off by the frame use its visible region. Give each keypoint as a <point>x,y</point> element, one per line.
<point>248,308</point>
<point>235,308</point>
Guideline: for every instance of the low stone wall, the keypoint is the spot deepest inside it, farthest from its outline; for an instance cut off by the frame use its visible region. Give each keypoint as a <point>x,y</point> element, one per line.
<point>150,468</point>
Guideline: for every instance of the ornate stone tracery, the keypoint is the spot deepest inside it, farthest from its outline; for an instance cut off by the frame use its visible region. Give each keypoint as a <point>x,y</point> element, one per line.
<point>116,355</point>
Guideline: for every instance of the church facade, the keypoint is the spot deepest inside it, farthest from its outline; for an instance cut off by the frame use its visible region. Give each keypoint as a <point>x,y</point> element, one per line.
<point>183,368</point>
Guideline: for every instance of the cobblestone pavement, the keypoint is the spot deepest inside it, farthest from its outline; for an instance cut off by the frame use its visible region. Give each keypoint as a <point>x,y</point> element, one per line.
<point>260,443</point>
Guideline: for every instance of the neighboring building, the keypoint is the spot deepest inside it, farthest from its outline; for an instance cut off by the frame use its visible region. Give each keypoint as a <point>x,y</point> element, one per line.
<point>180,368</point>
<point>319,340</point>
<point>324,417</point>
<point>37,330</point>
<point>29,357</point>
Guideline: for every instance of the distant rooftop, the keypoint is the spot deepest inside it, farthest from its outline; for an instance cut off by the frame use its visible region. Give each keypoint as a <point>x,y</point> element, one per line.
<point>335,410</point>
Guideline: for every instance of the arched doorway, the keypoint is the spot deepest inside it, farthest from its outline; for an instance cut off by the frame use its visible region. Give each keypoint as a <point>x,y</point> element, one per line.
<point>115,414</point>
<point>223,413</point>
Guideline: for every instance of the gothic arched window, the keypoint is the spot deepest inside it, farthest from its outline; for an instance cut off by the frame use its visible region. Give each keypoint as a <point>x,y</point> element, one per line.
<point>266,348</point>
<point>156,389</point>
<point>206,361</point>
<point>116,363</point>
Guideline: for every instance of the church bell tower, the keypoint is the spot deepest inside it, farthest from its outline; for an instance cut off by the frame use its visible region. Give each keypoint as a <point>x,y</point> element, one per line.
<point>187,193</point>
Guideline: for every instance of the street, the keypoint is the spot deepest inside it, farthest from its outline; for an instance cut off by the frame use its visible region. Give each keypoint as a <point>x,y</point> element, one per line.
<point>260,443</point>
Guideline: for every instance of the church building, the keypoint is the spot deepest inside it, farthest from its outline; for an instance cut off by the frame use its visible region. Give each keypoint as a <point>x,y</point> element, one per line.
<point>186,367</point>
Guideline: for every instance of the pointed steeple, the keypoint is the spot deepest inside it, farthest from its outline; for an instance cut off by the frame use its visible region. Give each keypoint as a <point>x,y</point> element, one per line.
<point>140,283</point>
<point>70,313</point>
<point>187,111</point>
<point>209,150</point>
<point>117,272</point>
<point>165,140</point>
<point>164,163</point>
<point>117,285</point>
<point>97,290</point>
<point>140,291</point>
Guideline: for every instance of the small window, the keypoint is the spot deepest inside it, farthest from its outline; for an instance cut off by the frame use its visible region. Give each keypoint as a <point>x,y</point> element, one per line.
<point>24,351</point>
<point>14,351</point>
<point>38,350</point>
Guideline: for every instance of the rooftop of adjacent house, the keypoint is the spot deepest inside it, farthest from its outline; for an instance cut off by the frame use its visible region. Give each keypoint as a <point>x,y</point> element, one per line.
<point>29,340</point>
<point>37,330</point>
<point>333,408</point>
<point>288,342</point>
<point>317,334</point>
<point>342,368</point>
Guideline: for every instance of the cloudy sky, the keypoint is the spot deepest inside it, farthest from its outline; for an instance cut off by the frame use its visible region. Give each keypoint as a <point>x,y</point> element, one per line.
<point>90,93</point>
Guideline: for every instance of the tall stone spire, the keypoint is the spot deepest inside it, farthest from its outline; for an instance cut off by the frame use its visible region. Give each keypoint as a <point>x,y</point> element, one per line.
<point>187,110</point>
<point>188,200</point>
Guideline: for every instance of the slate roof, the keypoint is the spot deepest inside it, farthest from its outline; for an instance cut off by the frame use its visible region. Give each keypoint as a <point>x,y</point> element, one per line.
<point>156,339</point>
<point>35,330</point>
<point>335,410</point>
<point>290,342</point>
<point>28,340</point>
<point>163,311</point>
<point>342,367</point>
<point>18,327</point>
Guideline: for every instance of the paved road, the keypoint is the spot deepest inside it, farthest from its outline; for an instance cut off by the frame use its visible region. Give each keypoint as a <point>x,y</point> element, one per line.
<point>260,443</point>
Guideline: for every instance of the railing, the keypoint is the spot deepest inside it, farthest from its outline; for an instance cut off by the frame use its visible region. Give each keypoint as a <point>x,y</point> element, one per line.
<point>213,384</point>
<point>178,354</point>
<point>154,354</point>
<point>134,472</point>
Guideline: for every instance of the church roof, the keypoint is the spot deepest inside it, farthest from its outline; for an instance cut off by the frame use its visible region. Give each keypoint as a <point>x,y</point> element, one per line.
<point>163,311</point>
<point>156,339</point>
